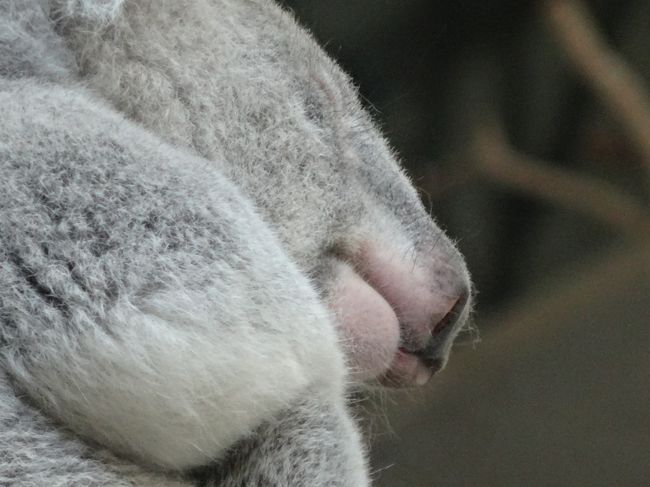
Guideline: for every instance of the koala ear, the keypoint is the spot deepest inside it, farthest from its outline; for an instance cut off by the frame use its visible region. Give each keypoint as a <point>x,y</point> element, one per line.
<point>94,10</point>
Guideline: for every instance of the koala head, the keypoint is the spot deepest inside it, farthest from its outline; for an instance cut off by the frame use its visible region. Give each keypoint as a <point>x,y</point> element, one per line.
<point>241,84</point>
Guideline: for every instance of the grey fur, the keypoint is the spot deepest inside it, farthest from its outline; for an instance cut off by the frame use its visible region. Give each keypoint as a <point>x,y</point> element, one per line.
<point>148,305</point>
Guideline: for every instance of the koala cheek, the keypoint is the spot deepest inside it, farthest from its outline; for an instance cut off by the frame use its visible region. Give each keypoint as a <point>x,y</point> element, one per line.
<point>368,324</point>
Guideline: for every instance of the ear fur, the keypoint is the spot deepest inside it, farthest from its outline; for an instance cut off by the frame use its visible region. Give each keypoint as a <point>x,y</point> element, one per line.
<point>94,10</point>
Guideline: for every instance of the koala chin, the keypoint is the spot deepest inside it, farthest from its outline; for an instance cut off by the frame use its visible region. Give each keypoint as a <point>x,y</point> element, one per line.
<point>205,245</point>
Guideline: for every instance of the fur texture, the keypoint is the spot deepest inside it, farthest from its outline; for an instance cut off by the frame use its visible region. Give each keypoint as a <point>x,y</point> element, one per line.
<point>96,11</point>
<point>240,83</point>
<point>185,186</point>
<point>110,265</point>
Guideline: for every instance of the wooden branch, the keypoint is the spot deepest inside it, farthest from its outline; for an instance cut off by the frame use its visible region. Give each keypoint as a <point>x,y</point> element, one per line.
<point>614,82</point>
<point>498,162</point>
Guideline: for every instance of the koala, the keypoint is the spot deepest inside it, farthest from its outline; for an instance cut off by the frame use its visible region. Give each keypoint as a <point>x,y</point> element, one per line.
<point>205,246</point>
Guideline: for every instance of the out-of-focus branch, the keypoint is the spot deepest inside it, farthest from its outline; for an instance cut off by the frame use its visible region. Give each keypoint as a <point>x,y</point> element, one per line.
<point>614,82</point>
<point>496,160</point>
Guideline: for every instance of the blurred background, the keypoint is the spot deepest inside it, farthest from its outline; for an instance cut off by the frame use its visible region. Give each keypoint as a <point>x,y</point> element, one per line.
<point>526,126</point>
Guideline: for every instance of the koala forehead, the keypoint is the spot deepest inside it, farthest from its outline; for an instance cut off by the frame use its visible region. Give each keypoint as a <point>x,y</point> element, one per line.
<point>242,83</point>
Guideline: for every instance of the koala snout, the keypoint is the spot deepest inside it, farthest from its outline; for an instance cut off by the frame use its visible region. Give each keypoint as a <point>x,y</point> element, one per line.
<point>431,298</point>
<point>402,326</point>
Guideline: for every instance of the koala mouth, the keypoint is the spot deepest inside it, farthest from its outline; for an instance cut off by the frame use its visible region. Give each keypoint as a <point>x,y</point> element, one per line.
<point>413,365</point>
<point>410,368</point>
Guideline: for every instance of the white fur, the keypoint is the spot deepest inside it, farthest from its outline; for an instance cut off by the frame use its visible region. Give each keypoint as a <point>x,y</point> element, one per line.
<point>94,10</point>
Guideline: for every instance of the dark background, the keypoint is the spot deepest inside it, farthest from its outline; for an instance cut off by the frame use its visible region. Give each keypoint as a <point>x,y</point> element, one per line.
<point>542,175</point>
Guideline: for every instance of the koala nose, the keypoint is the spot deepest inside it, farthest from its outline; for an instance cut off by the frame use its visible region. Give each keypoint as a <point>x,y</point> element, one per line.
<point>429,293</point>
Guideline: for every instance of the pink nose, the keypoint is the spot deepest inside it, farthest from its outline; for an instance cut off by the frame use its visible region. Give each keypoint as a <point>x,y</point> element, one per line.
<point>429,294</point>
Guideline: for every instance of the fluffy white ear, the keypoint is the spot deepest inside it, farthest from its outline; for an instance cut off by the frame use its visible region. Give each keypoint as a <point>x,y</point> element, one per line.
<point>97,10</point>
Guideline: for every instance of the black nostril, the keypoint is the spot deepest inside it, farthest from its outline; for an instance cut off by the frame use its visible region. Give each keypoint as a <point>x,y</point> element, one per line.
<point>436,350</point>
<point>453,315</point>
